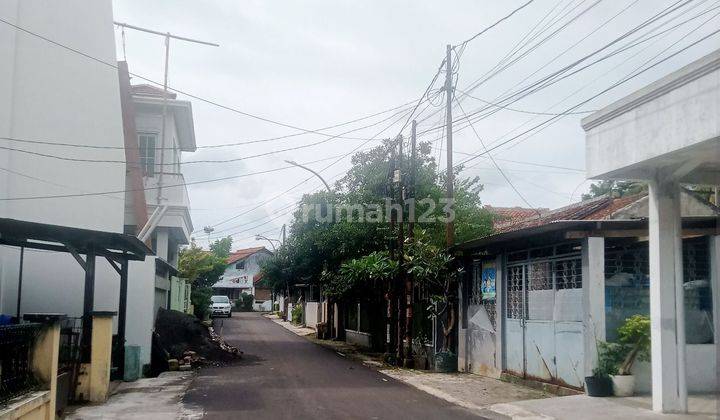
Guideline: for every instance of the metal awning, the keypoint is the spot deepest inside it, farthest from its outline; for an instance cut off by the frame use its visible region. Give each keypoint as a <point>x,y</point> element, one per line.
<point>69,239</point>
<point>116,248</point>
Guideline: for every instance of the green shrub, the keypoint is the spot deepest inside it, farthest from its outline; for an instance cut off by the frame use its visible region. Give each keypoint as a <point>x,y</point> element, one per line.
<point>634,336</point>
<point>297,314</point>
<point>245,303</point>
<point>200,298</point>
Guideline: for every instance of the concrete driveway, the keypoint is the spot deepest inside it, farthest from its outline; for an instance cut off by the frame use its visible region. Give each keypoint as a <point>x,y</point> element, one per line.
<point>283,376</point>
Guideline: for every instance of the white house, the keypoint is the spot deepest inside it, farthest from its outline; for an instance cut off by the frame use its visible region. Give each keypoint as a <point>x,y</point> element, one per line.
<point>157,207</point>
<point>666,134</point>
<point>51,94</point>
<point>243,268</point>
<point>542,290</point>
<point>54,95</point>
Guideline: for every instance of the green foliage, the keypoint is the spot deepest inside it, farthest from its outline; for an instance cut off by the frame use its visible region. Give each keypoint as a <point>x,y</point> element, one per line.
<point>221,247</point>
<point>614,189</point>
<point>203,269</point>
<point>315,251</point>
<point>634,334</point>
<point>297,314</point>
<point>200,298</point>
<point>245,303</point>
<point>609,356</point>
<point>372,270</point>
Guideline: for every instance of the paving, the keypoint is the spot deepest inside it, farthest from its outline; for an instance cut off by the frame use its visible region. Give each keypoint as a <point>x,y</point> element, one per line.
<point>284,376</point>
<point>150,398</point>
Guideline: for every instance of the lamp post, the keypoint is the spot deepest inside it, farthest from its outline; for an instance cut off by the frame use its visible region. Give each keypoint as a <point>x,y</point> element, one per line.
<point>270,241</point>
<point>313,172</point>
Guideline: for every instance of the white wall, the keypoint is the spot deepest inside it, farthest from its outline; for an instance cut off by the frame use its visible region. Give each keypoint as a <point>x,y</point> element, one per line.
<point>141,299</point>
<point>51,94</point>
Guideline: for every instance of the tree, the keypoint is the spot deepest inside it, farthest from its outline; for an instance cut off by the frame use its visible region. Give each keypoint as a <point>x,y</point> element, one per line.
<point>614,189</point>
<point>434,271</point>
<point>341,254</point>
<point>203,269</point>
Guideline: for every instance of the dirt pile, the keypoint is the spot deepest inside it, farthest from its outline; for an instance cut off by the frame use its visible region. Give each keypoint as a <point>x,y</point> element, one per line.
<point>185,338</point>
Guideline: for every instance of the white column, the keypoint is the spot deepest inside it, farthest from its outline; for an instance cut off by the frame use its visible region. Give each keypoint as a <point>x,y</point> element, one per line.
<point>593,288</point>
<point>499,311</point>
<point>667,317</point>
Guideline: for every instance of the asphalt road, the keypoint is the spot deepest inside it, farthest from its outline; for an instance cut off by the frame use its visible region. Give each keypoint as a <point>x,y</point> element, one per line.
<point>283,376</point>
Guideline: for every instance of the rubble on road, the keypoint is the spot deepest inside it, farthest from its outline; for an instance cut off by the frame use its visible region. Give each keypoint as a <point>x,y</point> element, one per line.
<point>187,342</point>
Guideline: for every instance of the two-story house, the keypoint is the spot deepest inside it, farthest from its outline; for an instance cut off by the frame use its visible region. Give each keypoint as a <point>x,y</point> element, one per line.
<point>157,208</point>
<point>243,266</point>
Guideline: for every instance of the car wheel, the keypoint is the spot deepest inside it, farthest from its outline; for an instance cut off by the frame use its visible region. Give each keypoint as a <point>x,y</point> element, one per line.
<point>230,315</point>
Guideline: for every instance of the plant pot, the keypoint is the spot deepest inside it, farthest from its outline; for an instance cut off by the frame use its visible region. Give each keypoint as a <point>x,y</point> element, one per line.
<point>623,385</point>
<point>420,362</point>
<point>445,361</point>
<point>596,386</point>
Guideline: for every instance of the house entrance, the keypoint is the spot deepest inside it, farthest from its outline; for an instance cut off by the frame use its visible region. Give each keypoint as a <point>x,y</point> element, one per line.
<point>543,314</point>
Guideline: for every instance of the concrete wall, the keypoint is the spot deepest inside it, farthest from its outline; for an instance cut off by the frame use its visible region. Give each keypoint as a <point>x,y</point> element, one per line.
<point>140,316</point>
<point>51,94</point>
<point>358,338</point>
<point>312,314</point>
<point>678,111</point>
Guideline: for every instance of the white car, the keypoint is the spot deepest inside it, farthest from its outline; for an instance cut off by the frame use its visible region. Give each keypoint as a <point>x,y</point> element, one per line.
<point>220,306</point>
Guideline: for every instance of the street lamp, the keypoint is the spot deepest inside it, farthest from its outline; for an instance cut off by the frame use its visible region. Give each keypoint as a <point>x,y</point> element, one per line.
<point>270,241</point>
<point>310,170</point>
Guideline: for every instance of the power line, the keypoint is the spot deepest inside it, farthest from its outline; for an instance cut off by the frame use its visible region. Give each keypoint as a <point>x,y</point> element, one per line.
<point>522,197</point>
<point>618,83</point>
<point>499,21</point>
<point>138,164</point>
<point>199,98</point>
<point>215,146</point>
<point>517,110</point>
<point>183,184</point>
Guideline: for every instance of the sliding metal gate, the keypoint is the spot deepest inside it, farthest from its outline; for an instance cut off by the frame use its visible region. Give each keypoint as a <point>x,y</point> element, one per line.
<point>543,316</point>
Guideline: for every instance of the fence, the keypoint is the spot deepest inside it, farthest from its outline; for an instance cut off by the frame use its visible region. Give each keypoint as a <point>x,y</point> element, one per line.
<point>16,342</point>
<point>68,360</point>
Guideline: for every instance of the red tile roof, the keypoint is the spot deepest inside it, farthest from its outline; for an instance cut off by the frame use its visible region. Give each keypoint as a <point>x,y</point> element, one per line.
<point>150,90</point>
<point>257,277</point>
<point>241,254</point>
<point>599,208</point>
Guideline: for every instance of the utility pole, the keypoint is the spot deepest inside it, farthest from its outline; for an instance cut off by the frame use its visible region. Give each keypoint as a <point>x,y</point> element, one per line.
<point>450,226</point>
<point>400,296</point>
<point>167,36</point>
<point>409,286</point>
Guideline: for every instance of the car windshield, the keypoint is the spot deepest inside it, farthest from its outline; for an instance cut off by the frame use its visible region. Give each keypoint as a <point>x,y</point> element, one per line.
<point>220,299</point>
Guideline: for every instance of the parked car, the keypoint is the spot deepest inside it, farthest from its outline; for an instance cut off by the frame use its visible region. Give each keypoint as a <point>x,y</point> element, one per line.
<point>220,306</point>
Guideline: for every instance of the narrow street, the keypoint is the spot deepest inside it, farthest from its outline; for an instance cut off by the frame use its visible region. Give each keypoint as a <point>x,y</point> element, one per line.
<point>283,376</point>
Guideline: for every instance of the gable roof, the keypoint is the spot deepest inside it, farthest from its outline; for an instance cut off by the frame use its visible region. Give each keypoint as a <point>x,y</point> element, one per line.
<point>241,254</point>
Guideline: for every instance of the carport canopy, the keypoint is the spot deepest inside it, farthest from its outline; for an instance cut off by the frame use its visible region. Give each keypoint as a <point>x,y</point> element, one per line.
<point>117,248</point>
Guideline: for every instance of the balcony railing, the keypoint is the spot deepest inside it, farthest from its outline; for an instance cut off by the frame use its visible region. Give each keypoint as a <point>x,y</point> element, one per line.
<point>174,191</point>
<point>16,376</point>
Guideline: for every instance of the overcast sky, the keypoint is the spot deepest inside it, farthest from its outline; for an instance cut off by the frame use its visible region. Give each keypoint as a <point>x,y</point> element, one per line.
<point>313,64</point>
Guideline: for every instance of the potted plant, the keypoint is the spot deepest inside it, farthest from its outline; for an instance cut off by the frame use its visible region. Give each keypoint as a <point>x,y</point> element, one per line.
<point>600,383</point>
<point>634,342</point>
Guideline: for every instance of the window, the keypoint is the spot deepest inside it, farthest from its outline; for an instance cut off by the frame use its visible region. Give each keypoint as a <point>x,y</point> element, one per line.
<point>146,146</point>
<point>240,265</point>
